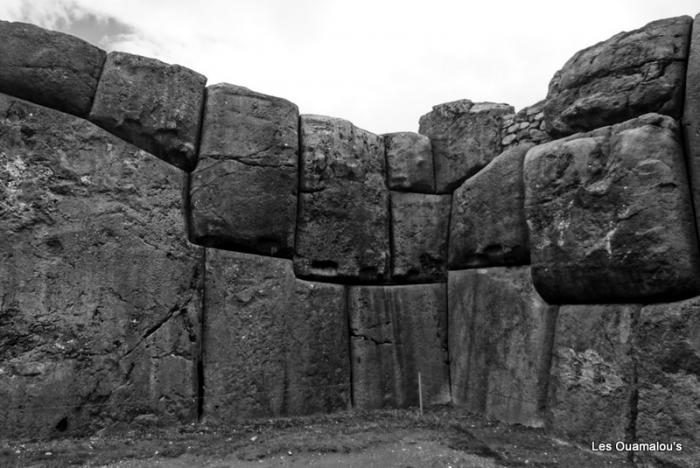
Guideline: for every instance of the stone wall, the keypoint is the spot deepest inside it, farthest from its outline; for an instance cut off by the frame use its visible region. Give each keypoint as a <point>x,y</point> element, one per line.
<point>538,267</point>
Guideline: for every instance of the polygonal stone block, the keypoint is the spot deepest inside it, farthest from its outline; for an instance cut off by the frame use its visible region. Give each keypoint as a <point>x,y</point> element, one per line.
<point>409,159</point>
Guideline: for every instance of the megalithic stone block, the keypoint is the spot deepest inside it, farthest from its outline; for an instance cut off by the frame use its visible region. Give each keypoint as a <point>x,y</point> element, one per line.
<point>691,117</point>
<point>500,342</point>
<point>487,224</point>
<point>343,223</point>
<point>419,236</point>
<point>153,105</point>
<point>273,345</point>
<point>397,332</point>
<point>465,137</point>
<point>49,68</point>
<point>593,372</point>
<point>610,217</point>
<point>409,162</point>
<point>630,74</point>
<point>243,193</point>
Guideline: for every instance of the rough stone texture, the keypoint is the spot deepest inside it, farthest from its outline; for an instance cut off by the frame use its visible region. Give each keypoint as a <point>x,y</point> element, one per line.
<point>343,223</point>
<point>397,332</point>
<point>668,348</point>
<point>527,126</point>
<point>630,74</point>
<point>273,345</point>
<point>465,136</point>
<point>487,224</point>
<point>610,217</point>
<point>691,117</point>
<point>500,341</point>
<point>100,293</point>
<point>409,159</point>
<point>419,236</point>
<point>243,193</point>
<point>49,68</point>
<point>592,378</point>
<point>151,104</point>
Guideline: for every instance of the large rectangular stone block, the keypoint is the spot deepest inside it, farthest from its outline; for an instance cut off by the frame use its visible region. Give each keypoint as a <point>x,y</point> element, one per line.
<point>465,137</point>
<point>343,223</point>
<point>49,68</point>
<point>243,193</point>
<point>610,216</point>
<point>396,333</point>
<point>409,159</point>
<point>273,345</point>
<point>101,293</point>
<point>500,342</point>
<point>153,105</point>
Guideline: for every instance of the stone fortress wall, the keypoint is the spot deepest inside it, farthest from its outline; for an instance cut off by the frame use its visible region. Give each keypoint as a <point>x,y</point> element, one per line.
<point>538,267</point>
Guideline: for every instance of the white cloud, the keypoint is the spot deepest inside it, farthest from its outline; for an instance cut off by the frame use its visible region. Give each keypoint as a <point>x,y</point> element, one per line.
<point>380,64</point>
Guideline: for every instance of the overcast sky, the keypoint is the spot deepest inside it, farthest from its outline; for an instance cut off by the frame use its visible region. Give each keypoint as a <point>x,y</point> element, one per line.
<point>380,64</point>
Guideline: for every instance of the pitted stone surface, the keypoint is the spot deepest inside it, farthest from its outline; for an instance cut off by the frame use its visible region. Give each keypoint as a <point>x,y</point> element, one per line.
<point>49,68</point>
<point>343,224</point>
<point>487,224</point>
<point>691,117</point>
<point>465,137</point>
<point>419,231</point>
<point>592,379</point>
<point>151,104</point>
<point>628,75</point>
<point>409,159</point>
<point>397,332</point>
<point>500,341</point>
<point>100,293</point>
<point>273,345</point>
<point>610,217</point>
<point>243,193</point>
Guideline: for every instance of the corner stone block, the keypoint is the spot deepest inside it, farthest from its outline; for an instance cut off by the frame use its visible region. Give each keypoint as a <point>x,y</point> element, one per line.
<point>500,342</point>
<point>151,104</point>
<point>610,217</point>
<point>487,224</point>
<point>243,193</point>
<point>592,377</point>
<point>420,223</point>
<point>668,354</point>
<point>396,333</point>
<point>343,222</point>
<point>691,117</point>
<point>273,345</point>
<point>409,159</point>
<point>49,68</point>
<point>465,137</point>
<point>630,74</point>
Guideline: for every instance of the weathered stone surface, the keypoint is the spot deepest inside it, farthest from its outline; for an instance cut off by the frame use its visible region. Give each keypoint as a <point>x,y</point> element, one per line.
<point>592,377</point>
<point>628,75</point>
<point>487,224</point>
<point>500,341</point>
<point>100,293</point>
<point>609,215</point>
<point>273,345</point>
<point>243,193</point>
<point>151,104</point>
<point>49,68</point>
<point>396,333</point>
<point>409,159</point>
<point>527,126</point>
<point>343,223</point>
<point>691,117</point>
<point>465,137</point>
<point>419,232</point>
<point>668,355</point>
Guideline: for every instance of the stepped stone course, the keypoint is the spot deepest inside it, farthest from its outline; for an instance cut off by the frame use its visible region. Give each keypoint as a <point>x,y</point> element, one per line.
<point>397,332</point>
<point>151,104</point>
<point>610,216</point>
<point>243,193</point>
<point>465,137</point>
<point>409,160</point>
<point>49,68</point>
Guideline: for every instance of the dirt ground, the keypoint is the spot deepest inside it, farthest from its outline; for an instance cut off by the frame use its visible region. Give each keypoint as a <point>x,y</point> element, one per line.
<point>442,437</point>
